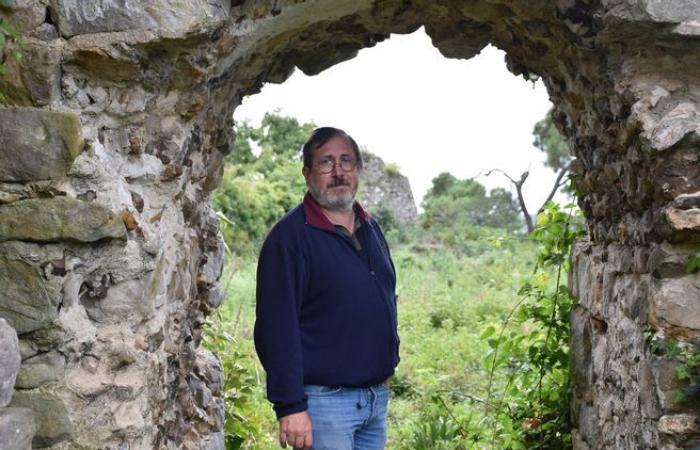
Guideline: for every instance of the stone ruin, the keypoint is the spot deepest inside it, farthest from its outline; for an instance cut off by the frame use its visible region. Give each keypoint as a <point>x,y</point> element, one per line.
<point>385,192</point>
<point>112,136</point>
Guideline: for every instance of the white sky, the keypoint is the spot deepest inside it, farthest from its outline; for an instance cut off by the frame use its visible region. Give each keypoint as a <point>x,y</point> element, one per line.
<point>405,102</point>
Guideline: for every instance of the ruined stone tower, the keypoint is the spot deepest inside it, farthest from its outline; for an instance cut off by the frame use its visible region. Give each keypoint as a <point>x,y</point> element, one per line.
<point>112,135</point>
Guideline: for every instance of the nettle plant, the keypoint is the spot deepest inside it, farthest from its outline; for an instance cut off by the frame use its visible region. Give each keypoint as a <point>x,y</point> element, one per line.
<point>530,348</point>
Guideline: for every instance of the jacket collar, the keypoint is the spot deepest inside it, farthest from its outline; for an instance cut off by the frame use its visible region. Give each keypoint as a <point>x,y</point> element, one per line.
<point>314,214</point>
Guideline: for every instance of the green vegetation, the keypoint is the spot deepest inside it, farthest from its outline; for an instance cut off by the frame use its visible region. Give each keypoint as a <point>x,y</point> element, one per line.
<point>462,210</point>
<point>548,140</point>
<point>257,189</point>
<point>392,169</point>
<point>686,357</point>
<point>483,308</point>
<point>10,45</point>
<point>693,264</point>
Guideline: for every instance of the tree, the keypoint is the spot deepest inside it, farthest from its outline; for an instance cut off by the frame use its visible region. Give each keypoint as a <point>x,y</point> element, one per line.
<point>548,140</point>
<point>558,158</point>
<point>462,207</point>
<point>262,179</point>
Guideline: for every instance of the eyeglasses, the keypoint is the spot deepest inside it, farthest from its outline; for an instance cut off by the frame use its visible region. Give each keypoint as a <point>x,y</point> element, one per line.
<point>347,163</point>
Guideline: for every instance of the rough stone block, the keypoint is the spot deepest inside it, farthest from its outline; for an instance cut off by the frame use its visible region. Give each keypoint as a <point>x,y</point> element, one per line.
<point>40,370</point>
<point>119,302</point>
<point>581,355</point>
<point>667,261</point>
<point>667,383</point>
<point>58,219</point>
<point>677,301</point>
<point>128,416</point>
<point>214,441</point>
<point>673,11</point>
<point>77,17</point>
<point>27,300</point>
<point>36,144</point>
<point>24,15</point>
<point>17,428</point>
<point>683,219</point>
<point>631,294</point>
<point>10,360</point>
<point>674,126</point>
<point>50,414</point>
<point>42,72</point>
<point>209,369</point>
<point>678,424</point>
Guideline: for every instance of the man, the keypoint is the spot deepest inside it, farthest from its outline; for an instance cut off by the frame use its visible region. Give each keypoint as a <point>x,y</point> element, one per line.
<point>326,309</point>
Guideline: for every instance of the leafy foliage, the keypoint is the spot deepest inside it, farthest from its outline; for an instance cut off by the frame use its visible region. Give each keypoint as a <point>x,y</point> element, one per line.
<point>455,208</point>
<point>693,264</point>
<point>392,169</point>
<point>258,189</point>
<point>532,343</point>
<point>239,383</point>
<point>686,356</point>
<point>549,140</point>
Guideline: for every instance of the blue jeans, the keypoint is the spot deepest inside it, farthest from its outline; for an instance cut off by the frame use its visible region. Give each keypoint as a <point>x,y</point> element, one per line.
<point>348,418</point>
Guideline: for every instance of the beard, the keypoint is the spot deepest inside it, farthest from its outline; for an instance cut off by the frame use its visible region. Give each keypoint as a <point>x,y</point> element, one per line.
<point>334,199</point>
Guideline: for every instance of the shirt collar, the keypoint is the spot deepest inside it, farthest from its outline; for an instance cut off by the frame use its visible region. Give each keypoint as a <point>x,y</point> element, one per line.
<point>314,214</point>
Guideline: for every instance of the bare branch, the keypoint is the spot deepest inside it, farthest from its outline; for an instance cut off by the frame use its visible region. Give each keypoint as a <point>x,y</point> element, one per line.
<point>557,184</point>
<point>519,190</point>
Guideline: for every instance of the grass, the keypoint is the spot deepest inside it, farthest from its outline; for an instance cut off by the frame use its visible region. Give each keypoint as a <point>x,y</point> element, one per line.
<point>445,300</point>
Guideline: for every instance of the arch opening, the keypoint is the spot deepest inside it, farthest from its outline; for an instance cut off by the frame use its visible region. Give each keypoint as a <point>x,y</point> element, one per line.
<point>136,112</point>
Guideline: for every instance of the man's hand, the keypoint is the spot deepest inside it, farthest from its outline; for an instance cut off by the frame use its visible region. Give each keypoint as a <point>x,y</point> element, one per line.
<point>295,430</point>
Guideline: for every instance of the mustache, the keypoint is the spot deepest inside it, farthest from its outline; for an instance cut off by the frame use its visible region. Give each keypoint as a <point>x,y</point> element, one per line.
<point>338,182</point>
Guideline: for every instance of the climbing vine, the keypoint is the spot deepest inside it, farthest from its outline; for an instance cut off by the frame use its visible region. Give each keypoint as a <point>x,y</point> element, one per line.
<point>531,346</point>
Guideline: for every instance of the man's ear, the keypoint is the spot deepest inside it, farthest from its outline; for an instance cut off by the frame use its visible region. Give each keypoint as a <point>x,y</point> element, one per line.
<point>305,171</point>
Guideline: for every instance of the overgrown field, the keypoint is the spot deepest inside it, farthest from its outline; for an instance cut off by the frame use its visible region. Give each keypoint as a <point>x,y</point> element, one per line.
<point>446,300</point>
<point>483,309</point>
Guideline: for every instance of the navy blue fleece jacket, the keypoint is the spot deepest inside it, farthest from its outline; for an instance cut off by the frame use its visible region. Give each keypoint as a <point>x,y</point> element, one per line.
<point>326,312</point>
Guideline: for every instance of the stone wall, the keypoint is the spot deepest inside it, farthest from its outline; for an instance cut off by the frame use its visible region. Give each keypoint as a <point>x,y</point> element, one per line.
<point>384,190</point>
<point>17,426</point>
<point>112,138</point>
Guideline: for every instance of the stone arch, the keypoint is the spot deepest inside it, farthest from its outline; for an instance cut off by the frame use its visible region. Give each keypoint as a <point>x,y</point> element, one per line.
<point>113,137</point>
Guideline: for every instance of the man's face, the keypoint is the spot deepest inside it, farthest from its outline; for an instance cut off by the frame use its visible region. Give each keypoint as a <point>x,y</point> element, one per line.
<point>335,190</point>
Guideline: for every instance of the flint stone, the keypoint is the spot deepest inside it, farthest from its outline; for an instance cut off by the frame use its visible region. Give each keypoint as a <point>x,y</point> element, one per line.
<point>58,219</point>
<point>17,428</point>
<point>27,300</point>
<point>10,360</point>
<point>50,414</point>
<point>75,17</point>
<point>36,144</point>
<point>40,370</point>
